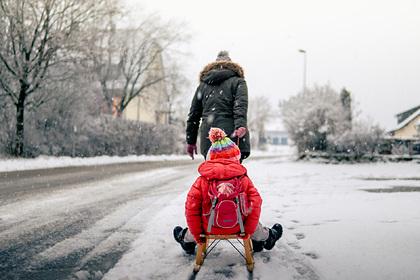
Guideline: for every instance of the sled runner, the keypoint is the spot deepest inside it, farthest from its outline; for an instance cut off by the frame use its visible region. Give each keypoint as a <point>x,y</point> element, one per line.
<point>204,249</point>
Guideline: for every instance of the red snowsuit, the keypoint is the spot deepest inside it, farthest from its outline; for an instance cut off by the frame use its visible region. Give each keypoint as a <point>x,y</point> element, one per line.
<point>198,201</point>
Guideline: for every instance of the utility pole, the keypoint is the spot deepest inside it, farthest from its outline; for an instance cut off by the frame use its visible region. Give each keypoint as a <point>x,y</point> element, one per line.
<point>304,69</point>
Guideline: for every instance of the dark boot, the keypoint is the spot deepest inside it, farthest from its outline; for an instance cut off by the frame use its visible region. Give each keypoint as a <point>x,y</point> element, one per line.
<point>257,246</point>
<point>274,234</point>
<point>179,234</point>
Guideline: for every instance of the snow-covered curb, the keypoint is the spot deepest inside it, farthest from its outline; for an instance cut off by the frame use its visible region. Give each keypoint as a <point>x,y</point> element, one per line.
<point>45,162</point>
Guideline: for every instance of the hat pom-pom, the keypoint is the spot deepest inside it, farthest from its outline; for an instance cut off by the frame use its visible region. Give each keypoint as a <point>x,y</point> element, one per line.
<point>223,54</point>
<point>216,134</point>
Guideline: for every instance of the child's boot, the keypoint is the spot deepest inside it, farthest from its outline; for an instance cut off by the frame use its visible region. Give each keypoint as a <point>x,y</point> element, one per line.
<point>274,234</point>
<point>179,234</point>
<point>257,246</point>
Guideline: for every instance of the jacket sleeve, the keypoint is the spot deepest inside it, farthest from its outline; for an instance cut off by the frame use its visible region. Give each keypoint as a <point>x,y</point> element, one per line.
<point>240,105</point>
<point>254,201</point>
<point>193,209</point>
<point>194,116</point>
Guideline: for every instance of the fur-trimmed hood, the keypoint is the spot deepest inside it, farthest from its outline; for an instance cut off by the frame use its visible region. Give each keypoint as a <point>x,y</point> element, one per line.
<point>222,65</point>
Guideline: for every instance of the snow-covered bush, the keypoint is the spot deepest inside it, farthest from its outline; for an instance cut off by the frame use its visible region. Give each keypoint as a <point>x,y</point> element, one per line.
<point>362,139</point>
<point>311,116</point>
<point>71,125</point>
<point>101,135</point>
<point>106,135</point>
<point>320,119</point>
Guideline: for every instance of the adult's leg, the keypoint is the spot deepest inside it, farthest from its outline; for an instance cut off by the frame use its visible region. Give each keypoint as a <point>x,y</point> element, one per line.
<point>244,155</point>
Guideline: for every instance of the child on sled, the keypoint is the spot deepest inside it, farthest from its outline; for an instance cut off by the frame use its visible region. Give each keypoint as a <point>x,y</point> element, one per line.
<point>223,200</point>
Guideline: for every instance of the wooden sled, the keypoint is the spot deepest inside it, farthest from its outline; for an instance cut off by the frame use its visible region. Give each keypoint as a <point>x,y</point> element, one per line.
<point>204,249</point>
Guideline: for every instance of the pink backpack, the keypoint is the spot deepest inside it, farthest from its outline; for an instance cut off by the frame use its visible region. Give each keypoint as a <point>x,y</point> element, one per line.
<point>228,204</point>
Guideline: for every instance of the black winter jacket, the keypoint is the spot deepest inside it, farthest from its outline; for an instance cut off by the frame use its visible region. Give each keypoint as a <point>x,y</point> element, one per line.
<point>221,100</point>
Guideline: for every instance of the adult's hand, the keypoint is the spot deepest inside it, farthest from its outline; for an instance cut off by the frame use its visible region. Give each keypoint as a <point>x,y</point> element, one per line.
<point>240,132</point>
<point>191,149</point>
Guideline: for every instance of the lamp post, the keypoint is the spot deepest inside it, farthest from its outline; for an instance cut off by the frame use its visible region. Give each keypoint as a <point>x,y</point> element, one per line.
<point>304,69</point>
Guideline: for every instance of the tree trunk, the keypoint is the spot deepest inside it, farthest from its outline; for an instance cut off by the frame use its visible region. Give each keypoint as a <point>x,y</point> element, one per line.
<point>20,110</point>
<point>109,103</point>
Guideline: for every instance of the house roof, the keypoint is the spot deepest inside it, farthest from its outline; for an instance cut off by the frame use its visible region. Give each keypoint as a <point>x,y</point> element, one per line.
<point>404,115</point>
<point>407,120</point>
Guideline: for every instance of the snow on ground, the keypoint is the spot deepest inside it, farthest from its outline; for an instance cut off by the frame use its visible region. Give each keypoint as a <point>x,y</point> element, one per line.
<point>333,228</point>
<point>347,232</point>
<point>155,255</point>
<point>129,219</point>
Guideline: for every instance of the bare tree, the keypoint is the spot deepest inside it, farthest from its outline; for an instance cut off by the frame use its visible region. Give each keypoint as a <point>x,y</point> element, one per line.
<point>259,115</point>
<point>141,58</point>
<point>37,36</point>
<point>128,61</point>
<point>177,86</point>
<point>100,47</point>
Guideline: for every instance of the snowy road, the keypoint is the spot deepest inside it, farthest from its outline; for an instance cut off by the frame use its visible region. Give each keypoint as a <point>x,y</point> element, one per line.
<point>357,221</point>
<point>54,222</point>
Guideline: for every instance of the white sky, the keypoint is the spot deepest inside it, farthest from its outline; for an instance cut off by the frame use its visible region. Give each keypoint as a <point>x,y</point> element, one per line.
<point>372,47</point>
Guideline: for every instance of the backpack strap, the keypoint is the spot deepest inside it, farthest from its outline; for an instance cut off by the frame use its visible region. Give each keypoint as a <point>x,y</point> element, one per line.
<point>238,205</point>
<point>238,212</point>
<point>213,199</point>
<point>211,219</point>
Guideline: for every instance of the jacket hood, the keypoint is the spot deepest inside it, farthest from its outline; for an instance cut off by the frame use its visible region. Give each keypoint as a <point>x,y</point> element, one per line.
<point>221,169</point>
<point>217,76</point>
<point>217,72</point>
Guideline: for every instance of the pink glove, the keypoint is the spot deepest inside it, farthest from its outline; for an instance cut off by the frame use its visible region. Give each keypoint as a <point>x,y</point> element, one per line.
<point>191,148</point>
<point>240,132</point>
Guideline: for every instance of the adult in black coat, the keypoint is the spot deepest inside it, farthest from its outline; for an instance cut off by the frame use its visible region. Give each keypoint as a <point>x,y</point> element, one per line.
<point>221,100</point>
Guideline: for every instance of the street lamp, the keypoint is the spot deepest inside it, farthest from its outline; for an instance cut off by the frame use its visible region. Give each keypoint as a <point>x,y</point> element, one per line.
<point>304,69</point>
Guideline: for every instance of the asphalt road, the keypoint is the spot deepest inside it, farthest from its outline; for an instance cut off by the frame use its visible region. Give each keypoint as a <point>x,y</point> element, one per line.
<point>30,225</point>
<point>16,184</point>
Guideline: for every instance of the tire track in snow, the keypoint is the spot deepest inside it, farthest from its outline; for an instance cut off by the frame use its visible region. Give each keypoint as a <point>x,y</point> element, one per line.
<point>115,239</point>
<point>21,244</point>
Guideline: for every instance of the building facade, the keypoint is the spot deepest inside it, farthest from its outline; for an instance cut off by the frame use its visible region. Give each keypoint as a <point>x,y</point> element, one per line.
<point>275,132</point>
<point>405,138</point>
<point>408,127</point>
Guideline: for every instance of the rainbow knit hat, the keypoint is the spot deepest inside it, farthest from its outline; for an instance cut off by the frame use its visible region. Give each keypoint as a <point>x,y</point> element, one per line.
<point>222,146</point>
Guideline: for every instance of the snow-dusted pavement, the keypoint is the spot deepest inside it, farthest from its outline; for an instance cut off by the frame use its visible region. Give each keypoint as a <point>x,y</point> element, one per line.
<point>121,228</point>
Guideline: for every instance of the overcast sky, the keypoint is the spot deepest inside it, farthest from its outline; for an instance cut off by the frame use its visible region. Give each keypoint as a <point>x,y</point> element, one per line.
<point>371,47</point>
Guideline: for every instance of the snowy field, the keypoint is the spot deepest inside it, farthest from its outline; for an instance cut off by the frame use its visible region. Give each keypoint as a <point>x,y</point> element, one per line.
<point>347,221</point>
